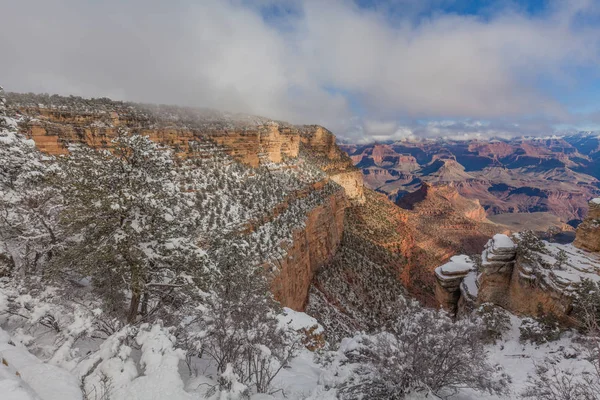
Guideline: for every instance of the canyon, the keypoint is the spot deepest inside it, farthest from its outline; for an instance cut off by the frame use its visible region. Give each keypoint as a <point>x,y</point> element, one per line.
<point>406,243</point>
<point>522,175</point>
<point>394,234</point>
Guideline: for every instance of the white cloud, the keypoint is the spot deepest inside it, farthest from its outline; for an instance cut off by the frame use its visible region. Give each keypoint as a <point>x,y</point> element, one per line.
<point>223,54</point>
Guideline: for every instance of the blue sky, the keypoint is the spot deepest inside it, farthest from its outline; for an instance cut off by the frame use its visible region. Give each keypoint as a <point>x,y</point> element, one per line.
<point>366,69</point>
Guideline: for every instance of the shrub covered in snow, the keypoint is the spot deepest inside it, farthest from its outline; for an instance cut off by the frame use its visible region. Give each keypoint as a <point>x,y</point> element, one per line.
<point>496,321</point>
<point>586,305</point>
<point>29,205</point>
<point>552,383</point>
<point>237,328</point>
<point>530,247</point>
<point>541,330</point>
<point>423,350</point>
<point>127,224</point>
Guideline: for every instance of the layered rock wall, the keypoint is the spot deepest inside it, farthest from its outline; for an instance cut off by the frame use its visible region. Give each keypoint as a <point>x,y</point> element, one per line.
<point>497,264</point>
<point>352,182</point>
<point>53,131</point>
<point>312,247</point>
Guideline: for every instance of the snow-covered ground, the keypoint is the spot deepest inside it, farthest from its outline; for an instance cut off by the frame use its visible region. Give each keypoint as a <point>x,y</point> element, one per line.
<point>519,359</point>
<point>303,379</point>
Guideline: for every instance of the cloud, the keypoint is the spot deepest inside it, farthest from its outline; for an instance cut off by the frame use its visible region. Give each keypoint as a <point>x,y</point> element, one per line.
<point>355,70</point>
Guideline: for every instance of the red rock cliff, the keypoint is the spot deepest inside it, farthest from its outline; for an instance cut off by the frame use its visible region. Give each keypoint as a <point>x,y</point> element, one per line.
<point>313,246</point>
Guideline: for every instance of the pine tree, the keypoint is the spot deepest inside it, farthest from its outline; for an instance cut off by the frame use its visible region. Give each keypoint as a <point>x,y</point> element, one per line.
<point>28,204</point>
<point>130,227</point>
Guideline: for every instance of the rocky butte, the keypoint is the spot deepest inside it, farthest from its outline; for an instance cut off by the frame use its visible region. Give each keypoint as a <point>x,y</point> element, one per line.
<point>523,175</point>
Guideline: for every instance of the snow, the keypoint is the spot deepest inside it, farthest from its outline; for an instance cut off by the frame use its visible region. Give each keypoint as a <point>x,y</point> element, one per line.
<point>160,360</point>
<point>578,266</point>
<point>470,284</point>
<point>503,242</point>
<point>12,387</point>
<point>518,360</point>
<point>458,265</point>
<point>24,376</point>
<point>51,382</point>
<point>298,320</point>
<point>596,200</point>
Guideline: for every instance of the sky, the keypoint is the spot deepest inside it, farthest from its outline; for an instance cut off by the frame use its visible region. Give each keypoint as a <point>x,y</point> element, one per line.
<point>366,69</point>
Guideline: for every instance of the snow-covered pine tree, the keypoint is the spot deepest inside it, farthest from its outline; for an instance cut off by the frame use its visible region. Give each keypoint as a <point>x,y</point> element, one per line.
<point>130,227</point>
<point>28,203</point>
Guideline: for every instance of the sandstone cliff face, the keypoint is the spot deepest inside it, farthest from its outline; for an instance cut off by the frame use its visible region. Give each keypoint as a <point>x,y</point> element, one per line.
<point>53,130</point>
<point>323,151</point>
<point>352,182</point>
<point>312,247</point>
<point>588,232</point>
<point>321,141</point>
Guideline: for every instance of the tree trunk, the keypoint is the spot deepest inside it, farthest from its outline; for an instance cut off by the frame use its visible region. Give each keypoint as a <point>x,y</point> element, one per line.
<point>134,305</point>
<point>145,304</point>
<point>136,294</point>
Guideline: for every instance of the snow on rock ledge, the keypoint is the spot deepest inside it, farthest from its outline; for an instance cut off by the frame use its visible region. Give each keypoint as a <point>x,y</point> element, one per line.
<point>449,278</point>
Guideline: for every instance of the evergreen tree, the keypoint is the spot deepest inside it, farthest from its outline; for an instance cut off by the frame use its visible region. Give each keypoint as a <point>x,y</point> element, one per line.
<point>130,227</point>
<point>28,204</point>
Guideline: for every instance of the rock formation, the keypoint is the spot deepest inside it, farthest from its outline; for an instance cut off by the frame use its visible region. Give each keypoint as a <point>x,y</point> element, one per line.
<point>449,278</point>
<point>526,276</point>
<point>588,232</point>
<point>320,143</point>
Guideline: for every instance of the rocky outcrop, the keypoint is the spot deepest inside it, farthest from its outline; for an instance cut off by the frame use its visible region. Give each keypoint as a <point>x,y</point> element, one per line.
<point>352,182</point>
<point>497,267</point>
<point>527,277</point>
<point>449,278</point>
<point>437,199</point>
<point>312,247</point>
<point>588,232</point>
<point>319,144</point>
<point>321,141</point>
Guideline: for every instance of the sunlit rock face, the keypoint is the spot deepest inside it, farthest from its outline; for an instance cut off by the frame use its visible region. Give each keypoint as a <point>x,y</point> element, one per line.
<point>588,232</point>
